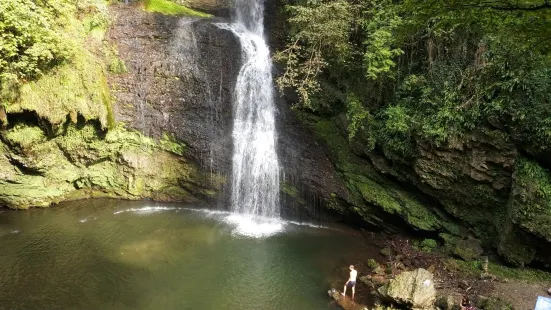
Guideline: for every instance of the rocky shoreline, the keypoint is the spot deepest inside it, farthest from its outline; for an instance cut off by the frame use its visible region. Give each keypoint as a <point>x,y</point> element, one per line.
<point>410,276</point>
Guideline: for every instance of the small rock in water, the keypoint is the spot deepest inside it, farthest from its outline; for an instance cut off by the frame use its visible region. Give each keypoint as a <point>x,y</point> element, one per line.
<point>335,294</point>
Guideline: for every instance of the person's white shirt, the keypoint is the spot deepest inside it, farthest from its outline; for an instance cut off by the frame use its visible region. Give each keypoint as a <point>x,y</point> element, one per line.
<point>353,274</point>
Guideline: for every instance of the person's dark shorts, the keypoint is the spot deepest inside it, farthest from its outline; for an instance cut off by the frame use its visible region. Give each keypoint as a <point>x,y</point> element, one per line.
<point>352,283</point>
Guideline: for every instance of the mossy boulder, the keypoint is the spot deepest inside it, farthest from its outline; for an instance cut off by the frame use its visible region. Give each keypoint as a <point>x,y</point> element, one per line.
<point>468,249</point>
<point>526,226</point>
<point>85,161</point>
<point>372,264</point>
<point>414,289</point>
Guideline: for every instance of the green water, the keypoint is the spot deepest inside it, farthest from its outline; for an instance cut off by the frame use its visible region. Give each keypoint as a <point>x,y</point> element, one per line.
<point>105,254</point>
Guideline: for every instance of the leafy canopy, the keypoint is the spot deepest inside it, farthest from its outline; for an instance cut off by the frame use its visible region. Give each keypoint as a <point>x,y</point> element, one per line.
<point>430,69</point>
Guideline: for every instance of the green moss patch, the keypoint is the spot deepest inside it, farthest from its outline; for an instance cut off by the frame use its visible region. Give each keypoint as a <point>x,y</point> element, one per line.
<point>368,188</point>
<point>24,136</point>
<point>170,8</point>
<point>85,161</point>
<point>531,204</point>
<point>77,87</point>
<point>78,84</point>
<point>289,189</point>
<point>475,267</point>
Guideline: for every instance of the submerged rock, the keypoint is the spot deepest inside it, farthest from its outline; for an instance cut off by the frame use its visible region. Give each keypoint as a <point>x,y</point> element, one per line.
<point>344,302</point>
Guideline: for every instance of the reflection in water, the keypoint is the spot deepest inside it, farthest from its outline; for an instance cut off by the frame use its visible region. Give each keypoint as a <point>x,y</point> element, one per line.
<point>89,254</point>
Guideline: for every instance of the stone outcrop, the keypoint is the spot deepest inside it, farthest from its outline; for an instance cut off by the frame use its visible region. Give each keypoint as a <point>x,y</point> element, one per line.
<point>477,194</point>
<point>84,162</point>
<point>156,127</point>
<point>414,289</point>
<point>180,79</point>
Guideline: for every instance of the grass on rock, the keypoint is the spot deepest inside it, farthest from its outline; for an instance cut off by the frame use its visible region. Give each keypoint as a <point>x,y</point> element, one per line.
<point>170,8</point>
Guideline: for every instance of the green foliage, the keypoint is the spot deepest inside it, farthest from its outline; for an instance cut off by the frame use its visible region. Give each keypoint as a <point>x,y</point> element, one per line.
<point>117,66</point>
<point>320,30</point>
<point>359,120</point>
<point>29,42</point>
<point>24,136</point>
<point>431,70</point>
<point>428,245</point>
<point>170,8</point>
<point>380,23</point>
<point>531,203</point>
<point>395,130</point>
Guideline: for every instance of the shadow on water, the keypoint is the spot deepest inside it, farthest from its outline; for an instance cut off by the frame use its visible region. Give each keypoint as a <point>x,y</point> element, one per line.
<point>52,272</point>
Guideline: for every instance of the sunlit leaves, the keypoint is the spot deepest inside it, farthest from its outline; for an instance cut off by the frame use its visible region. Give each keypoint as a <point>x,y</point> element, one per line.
<point>29,43</point>
<point>426,69</point>
<point>320,34</point>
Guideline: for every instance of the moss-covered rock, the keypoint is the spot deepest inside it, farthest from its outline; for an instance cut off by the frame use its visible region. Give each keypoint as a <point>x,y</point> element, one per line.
<point>414,289</point>
<point>428,245</point>
<point>531,199</point>
<point>85,161</point>
<point>525,230</point>
<point>371,195</point>
<point>477,192</point>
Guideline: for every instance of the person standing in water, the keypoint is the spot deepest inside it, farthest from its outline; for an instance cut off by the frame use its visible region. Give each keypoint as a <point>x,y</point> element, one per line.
<point>351,281</point>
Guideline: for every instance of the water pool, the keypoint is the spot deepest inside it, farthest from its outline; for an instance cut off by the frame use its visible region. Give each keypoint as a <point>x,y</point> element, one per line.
<point>108,254</point>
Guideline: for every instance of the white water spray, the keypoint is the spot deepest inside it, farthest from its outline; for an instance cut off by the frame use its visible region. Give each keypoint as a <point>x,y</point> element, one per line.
<point>255,177</point>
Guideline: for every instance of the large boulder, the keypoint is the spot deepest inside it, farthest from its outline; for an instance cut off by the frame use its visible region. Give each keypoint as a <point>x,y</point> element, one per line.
<point>414,289</point>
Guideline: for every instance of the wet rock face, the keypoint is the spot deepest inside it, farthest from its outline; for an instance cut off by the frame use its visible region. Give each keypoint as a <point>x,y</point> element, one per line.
<point>181,74</point>
<point>180,81</point>
<point>306,166</point>
<point>216,7</point>
<point>451,171</point>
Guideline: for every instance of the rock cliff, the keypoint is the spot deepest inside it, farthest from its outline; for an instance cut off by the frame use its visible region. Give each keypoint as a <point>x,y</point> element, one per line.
<point>142,112</point>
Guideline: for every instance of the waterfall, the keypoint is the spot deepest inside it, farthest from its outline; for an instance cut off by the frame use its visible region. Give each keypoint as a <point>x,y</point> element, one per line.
<point>255,176</point>
<point>255,167</point>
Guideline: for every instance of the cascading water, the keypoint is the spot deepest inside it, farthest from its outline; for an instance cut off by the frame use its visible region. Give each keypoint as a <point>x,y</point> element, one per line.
<point>255,177</point>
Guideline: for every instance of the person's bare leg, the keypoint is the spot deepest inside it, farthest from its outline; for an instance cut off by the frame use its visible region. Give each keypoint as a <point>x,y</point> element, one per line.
<point>353,291</point>
<point>344,291</point>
